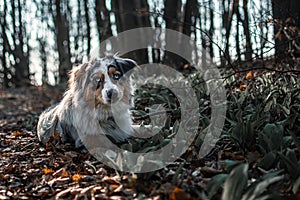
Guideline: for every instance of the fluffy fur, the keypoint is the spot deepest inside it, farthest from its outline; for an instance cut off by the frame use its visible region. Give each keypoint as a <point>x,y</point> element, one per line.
<point>86,109</point>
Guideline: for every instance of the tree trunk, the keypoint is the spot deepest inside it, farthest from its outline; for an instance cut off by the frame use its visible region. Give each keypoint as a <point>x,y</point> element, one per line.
<point>191,14</point>
<point>5,71</point>
<point>88,28</point>
<point>248,54</point>
<point>227,23</point>
<point>103,22</point>
<point>171,14</point>
<point>78,37</point>
<point>211,28</point>
<point>156,49</point>
<point>237,37</point>
<point>43,57</point>
<point>172,18</point>
<point>132,14</point>
<point>62,41</point>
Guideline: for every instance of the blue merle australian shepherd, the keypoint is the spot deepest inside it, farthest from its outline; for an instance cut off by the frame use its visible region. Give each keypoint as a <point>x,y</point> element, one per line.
<point>86,109</point>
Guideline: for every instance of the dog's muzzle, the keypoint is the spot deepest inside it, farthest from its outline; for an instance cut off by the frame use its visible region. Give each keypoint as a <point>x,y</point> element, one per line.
<point>112,95</point>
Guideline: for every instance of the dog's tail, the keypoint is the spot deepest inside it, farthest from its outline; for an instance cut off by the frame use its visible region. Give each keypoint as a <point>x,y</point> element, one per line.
<point>47,124</point>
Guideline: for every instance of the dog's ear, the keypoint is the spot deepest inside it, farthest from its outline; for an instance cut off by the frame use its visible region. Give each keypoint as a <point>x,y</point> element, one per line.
<point>126,64</point>
<point>76,74</point>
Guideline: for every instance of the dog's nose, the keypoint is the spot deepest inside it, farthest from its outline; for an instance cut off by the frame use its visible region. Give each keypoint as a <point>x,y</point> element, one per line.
<point>111,93</point>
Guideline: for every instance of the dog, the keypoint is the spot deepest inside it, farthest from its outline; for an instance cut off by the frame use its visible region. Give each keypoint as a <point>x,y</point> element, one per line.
<point>96,102</point>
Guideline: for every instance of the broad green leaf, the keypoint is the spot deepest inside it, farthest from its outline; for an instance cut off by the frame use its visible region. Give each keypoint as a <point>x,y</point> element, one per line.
<point>296,185</point>
<point>215,184</point>
<point>267,161</point>
<point>260,187</point>
<point>273,135</point>
<point>235,183</point>
<point>292,166</point>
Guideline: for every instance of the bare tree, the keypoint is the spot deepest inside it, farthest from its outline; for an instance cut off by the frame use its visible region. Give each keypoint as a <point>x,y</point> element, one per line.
<point>78,34</point>
<point>4,43</point>
<point>62,35</point>
<point>132,14</point>
<point>227,16</point>
<point>87,27</point>
<point>245,22</point>
<point>172,19</point>
<point>103,21</point>
<point>211,28</point>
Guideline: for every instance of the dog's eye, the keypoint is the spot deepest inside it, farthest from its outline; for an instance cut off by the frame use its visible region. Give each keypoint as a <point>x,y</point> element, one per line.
<point>98,79</point>
<point>116,76</point>
<point>98,82</point>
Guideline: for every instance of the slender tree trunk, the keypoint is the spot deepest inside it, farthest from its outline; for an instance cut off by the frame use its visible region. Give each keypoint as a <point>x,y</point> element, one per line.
<point>128,16</point>
<point>103,22</point>
<point>227,22</point>
<point>43,57</point>
<point>211,29</point>
<point>191,14</point>
<point>248,54</point>
<point>117,9</point>
<point>156,49</point>
<point>78,36</point>
<point>62,41</point>
<point>21,57</point>
<point>171,14</point>
<point>203,42</point>
<point>88,27</point>
<point>172,18</point>
<point>237,36</point>
<point>5,72</point>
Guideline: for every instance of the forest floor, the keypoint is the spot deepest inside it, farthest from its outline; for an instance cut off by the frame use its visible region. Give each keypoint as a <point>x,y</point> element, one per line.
<point>28,170</point>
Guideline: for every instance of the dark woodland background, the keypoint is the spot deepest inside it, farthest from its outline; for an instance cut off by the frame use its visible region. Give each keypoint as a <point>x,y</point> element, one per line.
<point>40,40</point>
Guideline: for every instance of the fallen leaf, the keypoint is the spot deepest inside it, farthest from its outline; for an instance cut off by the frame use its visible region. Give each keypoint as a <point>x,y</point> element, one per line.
<point>63,173</point>
<point>48,171</point>
<point>113,186</point>
<point>249,75</point>
<point>179,194</point>
<point>16,133</point>
<point>76,177</point>
<point>242,87</point>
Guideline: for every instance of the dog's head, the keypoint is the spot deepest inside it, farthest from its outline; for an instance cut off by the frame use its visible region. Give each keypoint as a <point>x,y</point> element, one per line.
<point>103,81</point>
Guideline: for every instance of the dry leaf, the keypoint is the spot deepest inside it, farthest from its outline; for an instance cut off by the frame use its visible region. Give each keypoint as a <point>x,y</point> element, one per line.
<point>179,194</point>
<point>243,87</point>
<point>16,133</point>
<point>48,171</point>
<point>76,177</point>
<point>61,173</point>
<point>249,75</point>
